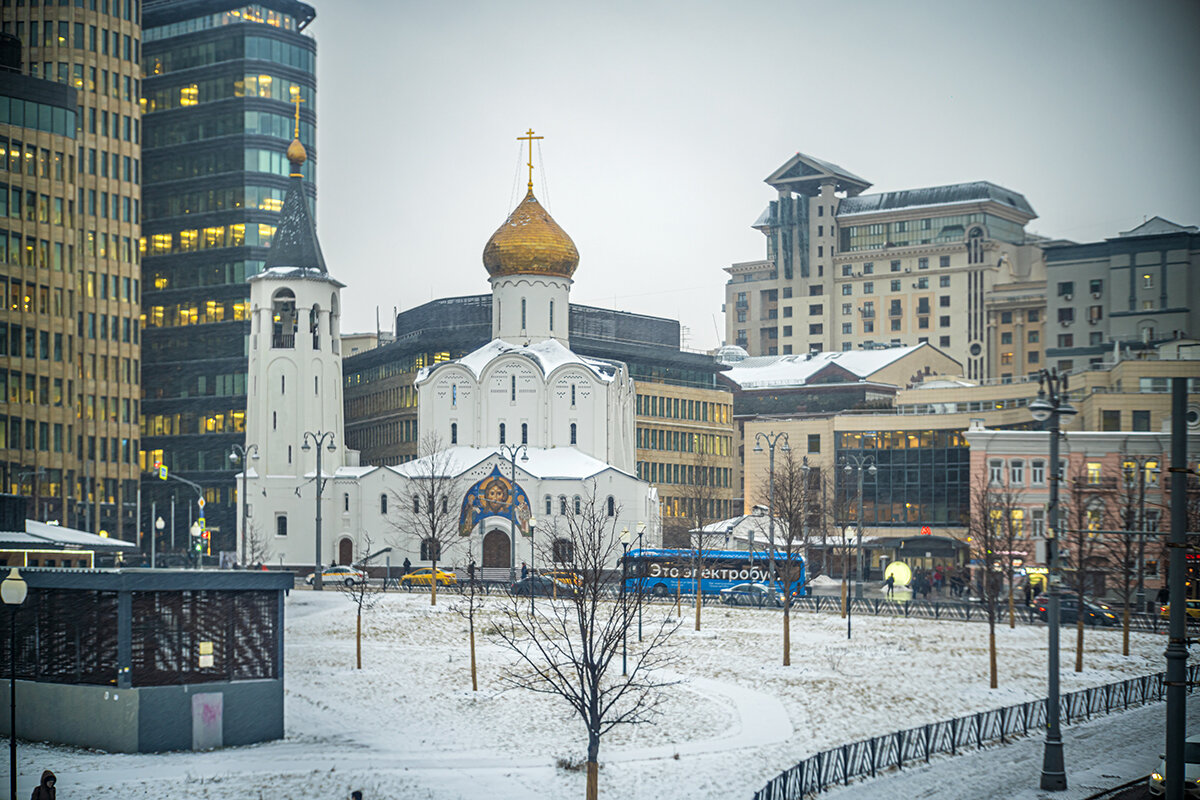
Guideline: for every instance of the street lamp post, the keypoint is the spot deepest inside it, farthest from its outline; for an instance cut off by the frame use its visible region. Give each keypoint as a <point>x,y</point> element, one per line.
<point>624,617</point>
<point>859,464</point>
<point>512,450</point>
<point>771,439</point>
<point>318,439</point>
<point>1051,405</point>
<point>240,453</point>
<point>12,591</point>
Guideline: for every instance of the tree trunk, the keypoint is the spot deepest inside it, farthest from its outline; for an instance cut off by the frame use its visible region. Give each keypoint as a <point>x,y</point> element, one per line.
<point>787,634</point>
<point>593,767</point>
<point>699,591</point>
<point>1079,640</point>
<point>845,594</point>
<point>474,679</point>
<point>1012,611</point>
<point>433,585</point>
<point>992,656</point>
<point>358,640</point>
<point>1125,631</point>
<point>678,594</point>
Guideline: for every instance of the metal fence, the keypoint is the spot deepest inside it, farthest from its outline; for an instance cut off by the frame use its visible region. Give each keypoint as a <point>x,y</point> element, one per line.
<point>870,757</point>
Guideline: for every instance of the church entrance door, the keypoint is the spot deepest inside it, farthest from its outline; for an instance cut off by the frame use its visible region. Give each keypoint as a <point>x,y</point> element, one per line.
<point>496,549</point>
<point>345,551</point>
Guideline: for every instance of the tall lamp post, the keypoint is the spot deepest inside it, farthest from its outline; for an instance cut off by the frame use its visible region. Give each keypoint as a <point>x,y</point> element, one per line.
<point>624,616</point>
<point>532,528</point>
<point>1051,405</point>
<point>771,439</point>
<point>12,591</point>
<point>511,451</point>
<point>239,454</point>
<point>859,464</point>
<point>318,439</point>
<point>159,524</point>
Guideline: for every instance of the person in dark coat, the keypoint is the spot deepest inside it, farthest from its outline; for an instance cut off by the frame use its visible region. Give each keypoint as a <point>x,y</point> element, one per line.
<point>524,570</point>
<point>407,566</point>
<point>471,571</point>
<point>890,584</point>
<point>45,789</point>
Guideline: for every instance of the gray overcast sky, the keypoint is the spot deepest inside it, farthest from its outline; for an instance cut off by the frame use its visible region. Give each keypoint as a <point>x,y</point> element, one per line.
<point>662,119</point>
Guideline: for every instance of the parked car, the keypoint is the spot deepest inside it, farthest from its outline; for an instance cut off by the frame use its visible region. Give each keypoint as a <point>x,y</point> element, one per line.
<point>347,576</point>
<point>424,576</point>
<point>751,594</point>
<point>541,586</point>
<point>1193,610</point>
<point>1094,612</point>
<point>1191,771</point>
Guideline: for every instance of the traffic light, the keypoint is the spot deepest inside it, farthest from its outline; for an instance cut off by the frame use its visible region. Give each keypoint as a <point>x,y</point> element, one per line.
<point>206,536</point>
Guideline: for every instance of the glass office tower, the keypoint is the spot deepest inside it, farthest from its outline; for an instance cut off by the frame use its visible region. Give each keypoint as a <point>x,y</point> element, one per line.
<point>222,84</point>
<point>70,165</point>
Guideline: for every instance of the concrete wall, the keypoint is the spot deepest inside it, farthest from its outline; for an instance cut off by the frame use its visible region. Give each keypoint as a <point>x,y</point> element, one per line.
<point>147,719</point>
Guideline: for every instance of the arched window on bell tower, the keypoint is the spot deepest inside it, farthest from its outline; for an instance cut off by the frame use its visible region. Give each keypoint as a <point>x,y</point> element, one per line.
<point>283,320</point>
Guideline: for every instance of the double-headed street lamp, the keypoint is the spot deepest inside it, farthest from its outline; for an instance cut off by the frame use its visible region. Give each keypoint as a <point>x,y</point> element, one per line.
<point>641,529</point>
<point>12,591</point>
<point>1051,405</point>
<point>243,454</point>
<point>771,439</point>
<point>624,580</point>
<point>512,450</point>
<point>859,464</point>
<point>1138,527</point>
<point>318,439</point>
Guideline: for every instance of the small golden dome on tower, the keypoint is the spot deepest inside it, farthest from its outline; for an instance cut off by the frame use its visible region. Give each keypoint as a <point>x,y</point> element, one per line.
<point>530,243</point>
<point>296,152</point>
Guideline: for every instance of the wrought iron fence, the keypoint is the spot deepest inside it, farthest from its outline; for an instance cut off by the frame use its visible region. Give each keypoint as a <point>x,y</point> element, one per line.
<point>870,757</point>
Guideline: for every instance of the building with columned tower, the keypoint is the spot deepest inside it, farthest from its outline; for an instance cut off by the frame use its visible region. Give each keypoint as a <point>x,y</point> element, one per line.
<point>522,413</point>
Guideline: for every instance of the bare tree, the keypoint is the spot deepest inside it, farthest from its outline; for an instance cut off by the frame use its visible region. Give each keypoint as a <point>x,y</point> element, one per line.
<point>699,497</point>
<point>1122,552</point>
<point>794,481</point>
<point>1012,544</point>
<point>472,605</point>
<point>258,545</point>
<point>1086,514</point>
<point>364,600</point>
<point>984,540</point>
<point>570,647</point>
<point>427,508</point>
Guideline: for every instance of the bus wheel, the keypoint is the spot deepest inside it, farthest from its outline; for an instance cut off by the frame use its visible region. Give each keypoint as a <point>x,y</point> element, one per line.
<point>660,590</point>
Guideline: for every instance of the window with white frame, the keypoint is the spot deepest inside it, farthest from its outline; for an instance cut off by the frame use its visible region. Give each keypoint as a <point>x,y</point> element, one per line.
<point>995,471</point>
<point>1037,473</point>
<point>1016,472</point>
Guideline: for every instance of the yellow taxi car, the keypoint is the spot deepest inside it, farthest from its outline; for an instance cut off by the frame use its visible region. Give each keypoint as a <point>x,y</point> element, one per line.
<point>564,576</point>
<point>1193,610</point>
<point>424,576</point>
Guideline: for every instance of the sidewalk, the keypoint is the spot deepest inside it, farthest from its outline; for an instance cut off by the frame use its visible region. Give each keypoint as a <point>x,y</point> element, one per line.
<point>1100,754</point>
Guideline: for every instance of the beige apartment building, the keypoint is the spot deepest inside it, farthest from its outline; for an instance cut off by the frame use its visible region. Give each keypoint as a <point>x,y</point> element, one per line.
<point>844,270</point>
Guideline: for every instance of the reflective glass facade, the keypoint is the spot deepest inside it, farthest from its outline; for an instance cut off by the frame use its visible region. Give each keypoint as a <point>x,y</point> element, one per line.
<point>923,478</point>
<point>218,104</point>
<point>929,230</point>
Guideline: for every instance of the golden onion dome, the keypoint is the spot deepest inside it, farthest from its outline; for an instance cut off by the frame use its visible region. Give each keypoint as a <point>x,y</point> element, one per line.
<point>296,152</point>
<point>530,243</point>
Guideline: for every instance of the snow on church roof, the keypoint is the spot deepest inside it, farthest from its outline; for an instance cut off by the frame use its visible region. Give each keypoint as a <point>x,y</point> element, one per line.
<point>544,463</point>
<point>549,355</point>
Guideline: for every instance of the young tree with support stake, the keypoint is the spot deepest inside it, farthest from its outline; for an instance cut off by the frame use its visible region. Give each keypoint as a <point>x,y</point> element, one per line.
<point>427,507</point>
<point>364,600</point>
<point>573,647</point>
<point>1087,514</point>
<point>984,539</point>
<point>794,504</point>
<point>697,496</point>
<point>1125,550</point>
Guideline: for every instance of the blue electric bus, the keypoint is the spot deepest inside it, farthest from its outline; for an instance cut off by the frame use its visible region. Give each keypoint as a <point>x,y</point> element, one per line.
<point>665,572</point>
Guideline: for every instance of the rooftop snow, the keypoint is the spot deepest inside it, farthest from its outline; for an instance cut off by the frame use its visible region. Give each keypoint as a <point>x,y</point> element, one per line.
<point>759,372</point>
<point>543,463</point>
<point>549,355</point>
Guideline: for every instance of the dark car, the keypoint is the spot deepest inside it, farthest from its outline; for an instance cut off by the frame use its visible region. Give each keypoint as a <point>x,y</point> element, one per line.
<point>1094,613</point>
<point>751,594</point>
<point>541,586</point>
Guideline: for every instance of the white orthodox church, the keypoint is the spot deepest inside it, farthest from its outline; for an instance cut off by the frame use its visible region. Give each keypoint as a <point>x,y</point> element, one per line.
<point>522,409</point>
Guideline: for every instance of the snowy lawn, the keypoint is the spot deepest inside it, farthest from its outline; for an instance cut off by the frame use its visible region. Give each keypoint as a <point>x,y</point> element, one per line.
<point>408,725</point>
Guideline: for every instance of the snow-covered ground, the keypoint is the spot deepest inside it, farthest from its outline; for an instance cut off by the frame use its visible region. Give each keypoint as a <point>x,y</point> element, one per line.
<point>408,724</point>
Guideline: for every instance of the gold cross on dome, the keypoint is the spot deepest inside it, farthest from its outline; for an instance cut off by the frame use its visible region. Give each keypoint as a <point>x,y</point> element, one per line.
<point>527,137</point>
<point>297,99</point>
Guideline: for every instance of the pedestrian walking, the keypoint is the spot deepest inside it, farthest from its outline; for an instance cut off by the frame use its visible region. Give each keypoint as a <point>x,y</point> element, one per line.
<point>524,570</point>
<point>407,566</point>
<point>45,789</point>
<point>890,584</point>
<point>471,571</point>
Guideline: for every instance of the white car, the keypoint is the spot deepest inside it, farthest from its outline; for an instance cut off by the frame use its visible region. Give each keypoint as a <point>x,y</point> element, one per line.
<point>1191,771</point>
<point>347,576</point>
<point>751,594</point>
